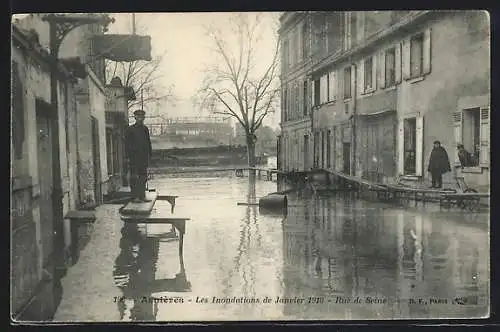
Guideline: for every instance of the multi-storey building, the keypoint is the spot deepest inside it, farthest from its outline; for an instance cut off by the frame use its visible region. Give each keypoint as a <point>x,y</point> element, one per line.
<point>380,87</point>
<point>59,154</point>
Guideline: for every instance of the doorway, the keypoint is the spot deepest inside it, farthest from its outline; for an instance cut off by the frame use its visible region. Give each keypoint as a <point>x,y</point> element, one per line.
<point>45,177</point>
<point>346,147</point>
<point>96,160</point>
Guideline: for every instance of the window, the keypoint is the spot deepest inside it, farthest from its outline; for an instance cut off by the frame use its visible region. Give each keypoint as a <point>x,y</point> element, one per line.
<point>328,149</point>
<point>347,83</point>
<point>472,130</point>
<point>304,99</point>
<point>471,127</point>
<point>390,67</point>
<point>323,89</point>
<point>317,90</point>
<point>286,54</point>
<point>416,55</point>
<point>285,104</point>
<point>411,146</point>
<point>410,131</point>
<point>297,100</point>
<point>331,86</point>
<point>334,32</point>
<point>323,139</point>
<point>305,40</point>
<point>316,149</point>
<point>349,30</point>
<point>368,74</point>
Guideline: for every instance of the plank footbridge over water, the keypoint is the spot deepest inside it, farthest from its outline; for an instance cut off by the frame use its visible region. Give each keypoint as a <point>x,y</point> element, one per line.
<point>145,213</point>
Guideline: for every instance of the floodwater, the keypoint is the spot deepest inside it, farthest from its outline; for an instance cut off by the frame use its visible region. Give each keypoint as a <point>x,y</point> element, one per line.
<point>329,258</point>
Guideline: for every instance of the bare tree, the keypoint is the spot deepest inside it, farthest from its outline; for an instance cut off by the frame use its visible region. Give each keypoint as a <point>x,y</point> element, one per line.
<point>241,85</point>
<point>144,77</point>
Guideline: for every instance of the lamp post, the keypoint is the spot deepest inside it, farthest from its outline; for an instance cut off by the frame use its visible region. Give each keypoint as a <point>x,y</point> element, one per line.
<point>59,26</point>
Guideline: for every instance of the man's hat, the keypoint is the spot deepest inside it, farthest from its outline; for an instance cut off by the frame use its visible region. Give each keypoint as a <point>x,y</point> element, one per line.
<point>437,142</point>
<point>139,113</point>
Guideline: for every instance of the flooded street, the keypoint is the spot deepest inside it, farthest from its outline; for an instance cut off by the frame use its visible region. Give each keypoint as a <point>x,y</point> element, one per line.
<point>330,258</point>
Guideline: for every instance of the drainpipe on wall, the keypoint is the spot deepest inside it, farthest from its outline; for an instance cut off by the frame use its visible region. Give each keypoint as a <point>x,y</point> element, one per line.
<point>354,120</point>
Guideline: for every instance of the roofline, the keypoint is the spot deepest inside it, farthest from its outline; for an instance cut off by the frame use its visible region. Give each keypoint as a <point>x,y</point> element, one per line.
<point>40,54</point>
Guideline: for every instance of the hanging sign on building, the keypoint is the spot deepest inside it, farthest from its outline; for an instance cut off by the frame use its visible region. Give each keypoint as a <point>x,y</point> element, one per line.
<point>123,48</point>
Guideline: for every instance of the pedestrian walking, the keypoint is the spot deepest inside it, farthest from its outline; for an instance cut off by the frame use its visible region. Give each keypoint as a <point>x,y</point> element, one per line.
<point>439,163</point>
<point>138,152</point>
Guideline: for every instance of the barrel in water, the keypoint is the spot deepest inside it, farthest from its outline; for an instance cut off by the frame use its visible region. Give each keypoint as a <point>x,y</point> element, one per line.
<point>273,203</point>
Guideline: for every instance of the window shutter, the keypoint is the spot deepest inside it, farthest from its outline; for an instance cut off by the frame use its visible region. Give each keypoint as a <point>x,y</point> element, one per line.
<point>374,72</point>
<point>382,70</point>
<point>484,140</point>
<point>457,133</point>
<point>419,138</point>
<point>361,77</point>
<point>313,91</point>
<point>353,80</point>
<point>427,51</point>
<point>406,59</point>
<point>401,147</point>
<point>331,86</point>
<point>397,62</point>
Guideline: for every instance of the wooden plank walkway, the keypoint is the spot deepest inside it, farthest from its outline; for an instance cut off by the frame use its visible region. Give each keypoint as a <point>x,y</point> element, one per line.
<point>143,213</point>
<point>142,207</point>
<point>371,185</point>
<point>467,195</point>
<point>416,190</point>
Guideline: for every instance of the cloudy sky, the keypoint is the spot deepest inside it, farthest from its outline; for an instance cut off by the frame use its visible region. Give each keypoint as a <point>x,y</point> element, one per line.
<point>183,37</point>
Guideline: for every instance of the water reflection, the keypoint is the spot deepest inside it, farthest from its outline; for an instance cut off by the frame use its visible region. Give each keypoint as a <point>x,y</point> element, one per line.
<point>135,275</point>
<point>342,248</point>
<point>326,248</point>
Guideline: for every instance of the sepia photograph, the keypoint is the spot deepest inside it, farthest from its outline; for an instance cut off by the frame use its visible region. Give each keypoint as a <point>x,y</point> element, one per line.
<point>250,166</point>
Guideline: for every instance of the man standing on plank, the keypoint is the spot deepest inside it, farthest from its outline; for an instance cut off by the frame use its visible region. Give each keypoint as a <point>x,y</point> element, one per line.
<point>138,152</point>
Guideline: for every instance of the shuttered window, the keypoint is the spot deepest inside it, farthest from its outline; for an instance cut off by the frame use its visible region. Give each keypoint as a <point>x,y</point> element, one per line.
<point>457,134</point>
<point>388,72</point>
<point>484,149</point>
<point>324,89</point>
<point>328,149</point>
<point>347,83</point>
<point>304,99</point>
<point>471,128</point>
<point>417,55</point>
<point>332,86</point>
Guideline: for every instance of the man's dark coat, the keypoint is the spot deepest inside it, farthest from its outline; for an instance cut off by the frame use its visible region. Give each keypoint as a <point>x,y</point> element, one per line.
<point>439,162</point>
<point>138,145</point>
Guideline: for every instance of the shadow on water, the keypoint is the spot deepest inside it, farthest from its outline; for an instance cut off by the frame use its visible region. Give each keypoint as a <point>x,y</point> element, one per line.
<point>135,274</point>
<point>340,248</point>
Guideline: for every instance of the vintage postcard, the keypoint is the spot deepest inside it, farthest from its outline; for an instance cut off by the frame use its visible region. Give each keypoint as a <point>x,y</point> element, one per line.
<point>292,166</point>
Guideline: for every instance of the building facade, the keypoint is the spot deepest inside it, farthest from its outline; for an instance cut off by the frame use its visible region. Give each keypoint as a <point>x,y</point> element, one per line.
<point>43,136</point>
<point>383,86</point>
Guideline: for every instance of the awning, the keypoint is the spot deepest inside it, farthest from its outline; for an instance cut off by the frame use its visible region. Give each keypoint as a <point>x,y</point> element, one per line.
<point>375,113</point>
<point>123,48</point>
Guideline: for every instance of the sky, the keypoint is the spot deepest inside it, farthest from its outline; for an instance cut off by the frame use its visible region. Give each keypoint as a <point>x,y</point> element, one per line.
<point>183,37</point>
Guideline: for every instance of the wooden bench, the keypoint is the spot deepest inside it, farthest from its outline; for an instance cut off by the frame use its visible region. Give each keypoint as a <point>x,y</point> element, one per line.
<point>141,207</point>
<point>76,219</point>
<point>145,213</point>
